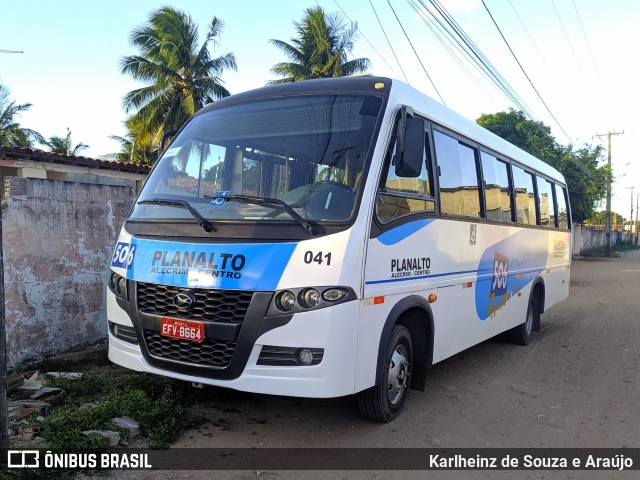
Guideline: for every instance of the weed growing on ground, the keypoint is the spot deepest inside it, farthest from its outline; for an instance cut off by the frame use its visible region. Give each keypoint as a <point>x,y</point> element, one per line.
<point>616,250</point>
<point>157,404</point>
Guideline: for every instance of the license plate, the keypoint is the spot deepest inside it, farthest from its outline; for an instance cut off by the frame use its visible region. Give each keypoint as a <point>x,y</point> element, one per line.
<point>182,329</point>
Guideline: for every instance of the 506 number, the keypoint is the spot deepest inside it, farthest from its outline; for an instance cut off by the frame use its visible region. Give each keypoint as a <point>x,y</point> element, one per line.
<point>319,258</point>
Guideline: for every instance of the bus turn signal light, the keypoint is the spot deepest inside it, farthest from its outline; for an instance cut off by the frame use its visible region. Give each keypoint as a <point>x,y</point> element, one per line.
<point>432,297</point>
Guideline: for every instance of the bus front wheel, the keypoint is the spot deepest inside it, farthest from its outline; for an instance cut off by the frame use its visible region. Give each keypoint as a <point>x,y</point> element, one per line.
<point>385,401</point>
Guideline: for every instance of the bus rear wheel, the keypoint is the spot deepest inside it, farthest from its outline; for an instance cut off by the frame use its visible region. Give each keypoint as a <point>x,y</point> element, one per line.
<point>385,401</point>
<point>521,334</point>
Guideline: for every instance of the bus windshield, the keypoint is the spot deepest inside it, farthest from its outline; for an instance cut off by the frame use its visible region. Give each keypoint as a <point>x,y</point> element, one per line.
<point>306,152</point>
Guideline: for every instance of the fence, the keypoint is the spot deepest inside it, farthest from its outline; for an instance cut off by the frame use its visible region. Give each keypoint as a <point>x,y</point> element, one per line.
<point>586,239</point>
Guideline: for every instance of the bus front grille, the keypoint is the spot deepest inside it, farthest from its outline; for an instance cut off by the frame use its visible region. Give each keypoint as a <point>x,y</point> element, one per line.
<point>217,305</point>
<point>209,353</point>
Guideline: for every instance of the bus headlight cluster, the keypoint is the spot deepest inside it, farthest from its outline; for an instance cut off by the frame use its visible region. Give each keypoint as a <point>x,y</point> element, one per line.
<point>303,299</point>
<point>118,285</point>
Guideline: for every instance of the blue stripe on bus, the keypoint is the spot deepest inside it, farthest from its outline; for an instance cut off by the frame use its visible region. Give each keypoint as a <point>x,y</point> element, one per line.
<point>396,235</point>
<point>372,282</point>
<point>233,266</point>
<point>478,278</point>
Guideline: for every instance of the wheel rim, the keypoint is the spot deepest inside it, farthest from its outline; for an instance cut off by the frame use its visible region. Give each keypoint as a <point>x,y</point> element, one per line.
<point>398,375</point>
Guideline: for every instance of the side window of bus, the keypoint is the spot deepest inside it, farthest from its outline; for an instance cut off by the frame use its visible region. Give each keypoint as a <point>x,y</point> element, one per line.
<point>400,196</point>
<point>561,200</point>
<point>459,192</point>
<point>497,191</point>
<point>545,200</point>
<point>525,197</point>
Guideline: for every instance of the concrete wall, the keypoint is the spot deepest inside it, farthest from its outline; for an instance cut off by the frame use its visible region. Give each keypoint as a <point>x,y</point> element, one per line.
<point>586,238</point>
<point>58,239</point>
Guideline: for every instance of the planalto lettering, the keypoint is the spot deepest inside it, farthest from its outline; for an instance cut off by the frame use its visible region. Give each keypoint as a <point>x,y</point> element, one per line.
<point>188,259</point>
<point>213,264</point>
<point>410,267</point>
<point>416,263</point>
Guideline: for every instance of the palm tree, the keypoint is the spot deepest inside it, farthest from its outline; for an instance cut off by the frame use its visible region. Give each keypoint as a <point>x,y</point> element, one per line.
<point>131,148</point>
<point>64,145</point>
<point>11,133</point>
<point>182,76</point>
<point>320,49</point>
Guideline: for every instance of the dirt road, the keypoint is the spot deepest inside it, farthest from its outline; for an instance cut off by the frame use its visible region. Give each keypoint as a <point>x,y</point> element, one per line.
<point>576,385</point>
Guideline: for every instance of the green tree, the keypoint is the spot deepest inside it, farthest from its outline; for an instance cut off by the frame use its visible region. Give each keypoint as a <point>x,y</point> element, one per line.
<point>600,218</point>
<point>586,181</point>
<point>64,145</point>
<point>319,50</point>
<point>181,75</point>
<point>12,134</point>
<point>131,149</point>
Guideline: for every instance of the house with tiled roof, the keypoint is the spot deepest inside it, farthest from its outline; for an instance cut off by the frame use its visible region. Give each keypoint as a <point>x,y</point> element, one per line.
<point>33,163</point>
<point>60,217</point>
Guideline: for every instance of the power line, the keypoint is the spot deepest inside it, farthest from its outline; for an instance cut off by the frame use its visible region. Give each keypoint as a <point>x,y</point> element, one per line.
<point>390,46</point>
<point>367,40</point>
<point>473,53</point>
<point>445,41</point>
<point>524,72</point>
<point>416,53</point>
<point>529,35</point>
<point>566,35</point>
<point>585,35</point>
<point>482,63</point>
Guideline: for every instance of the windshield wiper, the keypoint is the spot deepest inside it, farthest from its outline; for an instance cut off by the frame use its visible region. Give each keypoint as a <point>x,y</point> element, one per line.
<point>276,201</point>
<point>181,203</point>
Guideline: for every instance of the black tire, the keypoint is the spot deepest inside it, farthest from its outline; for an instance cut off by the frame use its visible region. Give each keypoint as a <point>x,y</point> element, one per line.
<point>384,402</point>
<point>521,334</point>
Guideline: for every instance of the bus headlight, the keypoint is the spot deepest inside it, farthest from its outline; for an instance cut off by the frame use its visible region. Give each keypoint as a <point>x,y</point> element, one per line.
<point>118,285</point>
<point>286,301</point>
<point>310,298</point>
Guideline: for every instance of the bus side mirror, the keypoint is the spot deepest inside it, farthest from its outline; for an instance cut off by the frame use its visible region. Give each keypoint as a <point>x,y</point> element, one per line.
<point>411,148</point>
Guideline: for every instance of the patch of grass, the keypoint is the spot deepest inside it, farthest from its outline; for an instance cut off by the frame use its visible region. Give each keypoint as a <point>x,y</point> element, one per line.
<point>83,389</point>
<point>161,417</point>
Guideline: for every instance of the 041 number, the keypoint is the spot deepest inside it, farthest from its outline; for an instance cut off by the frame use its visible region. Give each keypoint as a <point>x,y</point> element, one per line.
<point>319,258</point>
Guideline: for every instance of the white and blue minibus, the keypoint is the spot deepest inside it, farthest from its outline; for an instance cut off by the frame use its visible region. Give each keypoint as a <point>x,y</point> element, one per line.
<point>334,237</point>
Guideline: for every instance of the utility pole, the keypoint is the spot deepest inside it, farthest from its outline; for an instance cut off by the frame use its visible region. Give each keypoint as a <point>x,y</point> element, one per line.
<point>637,206</point>
<point>630,216</point>
<point>608,224</point>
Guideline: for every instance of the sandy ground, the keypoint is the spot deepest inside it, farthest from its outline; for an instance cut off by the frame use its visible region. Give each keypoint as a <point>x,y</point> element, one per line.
<point>576,385</point>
